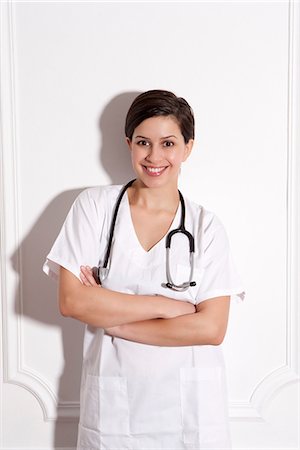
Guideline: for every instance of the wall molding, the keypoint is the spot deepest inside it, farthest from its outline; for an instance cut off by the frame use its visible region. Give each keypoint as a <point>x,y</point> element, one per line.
<point>264,392</point>
<point>14,370</point>
<point>268,387</point>
<point>293,185</point>
<point>44,448</point>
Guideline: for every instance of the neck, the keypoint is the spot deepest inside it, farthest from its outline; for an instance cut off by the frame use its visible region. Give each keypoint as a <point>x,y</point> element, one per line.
<point>165,197</point>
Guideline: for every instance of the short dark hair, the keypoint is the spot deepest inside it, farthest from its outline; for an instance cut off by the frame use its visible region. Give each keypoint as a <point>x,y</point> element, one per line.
<point>158,102</point>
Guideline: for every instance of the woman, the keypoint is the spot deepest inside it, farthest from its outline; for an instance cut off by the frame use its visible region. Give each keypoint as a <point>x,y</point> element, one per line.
<point>153,373</point>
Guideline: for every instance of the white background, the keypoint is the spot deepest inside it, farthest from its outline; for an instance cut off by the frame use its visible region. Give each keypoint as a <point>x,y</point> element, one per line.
<point>69,71</point>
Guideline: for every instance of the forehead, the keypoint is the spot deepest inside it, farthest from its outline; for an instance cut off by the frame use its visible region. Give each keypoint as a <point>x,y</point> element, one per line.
<point>158,126</point>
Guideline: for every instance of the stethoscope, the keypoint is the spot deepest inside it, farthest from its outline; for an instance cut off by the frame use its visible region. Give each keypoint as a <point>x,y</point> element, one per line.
<point>100,273</point>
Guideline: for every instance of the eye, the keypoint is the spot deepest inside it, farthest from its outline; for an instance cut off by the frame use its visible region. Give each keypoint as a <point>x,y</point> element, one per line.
<point>168,144</point>
<point>143,142</point>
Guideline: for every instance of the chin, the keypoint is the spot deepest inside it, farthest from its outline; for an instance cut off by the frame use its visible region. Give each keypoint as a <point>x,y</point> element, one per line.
<point>156,182</point>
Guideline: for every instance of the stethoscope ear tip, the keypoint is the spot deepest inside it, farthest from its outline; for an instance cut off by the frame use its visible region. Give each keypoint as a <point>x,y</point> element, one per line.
<point>193,283</point>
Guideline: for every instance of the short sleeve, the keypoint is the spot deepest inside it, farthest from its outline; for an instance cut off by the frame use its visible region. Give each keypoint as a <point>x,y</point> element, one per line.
<point>78,242</point>
<point>219,275</point>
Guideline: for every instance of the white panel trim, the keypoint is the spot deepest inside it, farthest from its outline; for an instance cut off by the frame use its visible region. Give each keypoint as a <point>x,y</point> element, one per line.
<point>34,448</point>
<point>263,392</point>
<point>268,387</point>
<point>293,186</point>
<point>14,371</point>
<point>2,234</point>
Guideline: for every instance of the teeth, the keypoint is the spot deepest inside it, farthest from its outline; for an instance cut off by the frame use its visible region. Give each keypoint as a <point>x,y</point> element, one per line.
<point>155,169</point>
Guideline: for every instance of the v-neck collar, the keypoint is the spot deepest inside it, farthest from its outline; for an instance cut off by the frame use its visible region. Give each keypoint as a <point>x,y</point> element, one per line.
<point>174,224</point>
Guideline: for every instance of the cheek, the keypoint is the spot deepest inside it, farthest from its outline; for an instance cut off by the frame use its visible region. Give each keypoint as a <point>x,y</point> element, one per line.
<point>137,156</point>
<point>176,158</point>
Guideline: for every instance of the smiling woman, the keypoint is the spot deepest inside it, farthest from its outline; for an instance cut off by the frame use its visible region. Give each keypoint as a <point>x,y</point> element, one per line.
<point>153,373</point>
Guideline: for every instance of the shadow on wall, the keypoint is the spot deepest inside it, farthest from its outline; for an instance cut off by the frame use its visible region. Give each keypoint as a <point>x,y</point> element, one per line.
<point>38,292</point>
<point>114,153</point>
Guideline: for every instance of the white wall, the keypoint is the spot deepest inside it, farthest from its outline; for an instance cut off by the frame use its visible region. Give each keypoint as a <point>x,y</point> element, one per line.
<point>68,73</point>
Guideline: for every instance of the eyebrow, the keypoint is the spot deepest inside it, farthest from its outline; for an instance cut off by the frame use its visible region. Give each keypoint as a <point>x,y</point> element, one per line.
<point>165,137</point>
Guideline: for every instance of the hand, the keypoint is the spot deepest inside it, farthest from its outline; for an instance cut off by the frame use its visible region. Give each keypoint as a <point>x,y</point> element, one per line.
<point>87,278</point>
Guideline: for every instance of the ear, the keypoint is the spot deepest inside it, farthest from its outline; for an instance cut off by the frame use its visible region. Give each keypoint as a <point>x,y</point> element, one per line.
<point>129,143</point>
<point>188,149</point>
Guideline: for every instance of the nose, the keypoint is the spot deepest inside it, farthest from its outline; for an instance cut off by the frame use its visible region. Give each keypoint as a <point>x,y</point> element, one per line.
<point>155,154</point>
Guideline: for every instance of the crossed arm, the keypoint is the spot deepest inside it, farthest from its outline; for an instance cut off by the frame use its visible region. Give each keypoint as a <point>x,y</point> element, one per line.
<point>154,320</point>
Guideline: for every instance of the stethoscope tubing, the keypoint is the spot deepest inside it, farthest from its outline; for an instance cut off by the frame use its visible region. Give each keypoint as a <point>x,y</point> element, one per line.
<point>170,283</point>
<point>113,223</point>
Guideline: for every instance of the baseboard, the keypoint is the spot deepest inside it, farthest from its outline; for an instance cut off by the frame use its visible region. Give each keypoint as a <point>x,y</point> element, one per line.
<point>37,448</point>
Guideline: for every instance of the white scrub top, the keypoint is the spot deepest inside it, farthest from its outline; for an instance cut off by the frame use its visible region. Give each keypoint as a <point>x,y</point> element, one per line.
<point>136,396</point>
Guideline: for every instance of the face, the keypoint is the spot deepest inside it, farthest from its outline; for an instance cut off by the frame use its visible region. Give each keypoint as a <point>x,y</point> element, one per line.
<point>157,151</point>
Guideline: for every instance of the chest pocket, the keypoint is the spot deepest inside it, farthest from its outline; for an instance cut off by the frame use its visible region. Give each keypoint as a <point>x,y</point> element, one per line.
<point>183,275</point>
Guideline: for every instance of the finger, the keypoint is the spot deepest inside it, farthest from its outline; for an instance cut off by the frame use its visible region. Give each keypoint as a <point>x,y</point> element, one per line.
<point>91,277</point>
<point>88,273</point>
<point>84,279</point>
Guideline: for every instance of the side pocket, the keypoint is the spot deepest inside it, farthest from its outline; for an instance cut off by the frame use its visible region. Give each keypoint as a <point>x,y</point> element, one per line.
<point>90,408</point>
<point>114,407</point>
<point>204,406</point>
<point>87,439</point>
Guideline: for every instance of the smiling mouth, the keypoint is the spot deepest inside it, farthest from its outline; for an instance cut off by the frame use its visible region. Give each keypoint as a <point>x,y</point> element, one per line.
<point>154,171</point>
